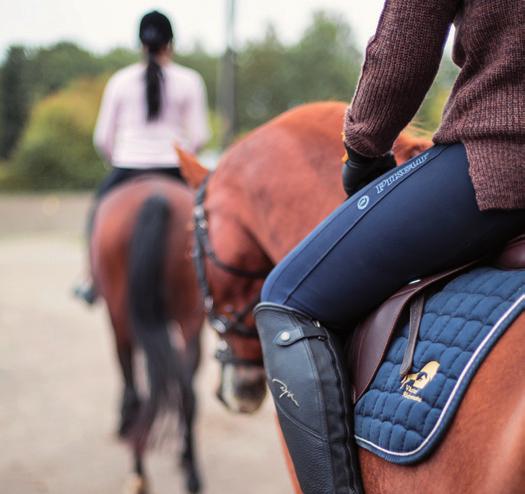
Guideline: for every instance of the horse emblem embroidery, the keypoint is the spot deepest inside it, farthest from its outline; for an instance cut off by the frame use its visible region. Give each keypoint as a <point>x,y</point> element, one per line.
<point>285,392</point>
<point>414,383</point>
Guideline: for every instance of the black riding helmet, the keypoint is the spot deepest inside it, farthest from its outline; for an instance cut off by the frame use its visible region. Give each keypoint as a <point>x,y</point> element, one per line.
<point>155,30</point>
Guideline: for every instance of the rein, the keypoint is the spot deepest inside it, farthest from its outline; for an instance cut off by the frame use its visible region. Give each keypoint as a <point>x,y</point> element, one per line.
<point>203,249</point>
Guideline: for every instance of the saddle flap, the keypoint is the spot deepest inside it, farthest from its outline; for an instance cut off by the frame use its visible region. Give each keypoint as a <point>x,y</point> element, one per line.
<point>371,338</point>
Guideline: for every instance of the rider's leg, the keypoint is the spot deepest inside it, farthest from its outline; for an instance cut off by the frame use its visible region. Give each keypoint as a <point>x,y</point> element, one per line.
<point>86,291</point>
<point>414,221</point>
<point>308,383</point>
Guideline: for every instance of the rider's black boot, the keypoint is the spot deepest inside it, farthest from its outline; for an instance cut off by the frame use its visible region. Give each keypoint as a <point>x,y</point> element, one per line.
<point>308,384</point>
<point>86,291</point>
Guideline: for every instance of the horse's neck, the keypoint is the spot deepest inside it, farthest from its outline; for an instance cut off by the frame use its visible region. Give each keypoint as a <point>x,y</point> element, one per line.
<point>280,222</point>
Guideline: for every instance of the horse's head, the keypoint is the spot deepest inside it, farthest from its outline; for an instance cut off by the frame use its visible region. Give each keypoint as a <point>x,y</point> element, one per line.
<point>232,268</point>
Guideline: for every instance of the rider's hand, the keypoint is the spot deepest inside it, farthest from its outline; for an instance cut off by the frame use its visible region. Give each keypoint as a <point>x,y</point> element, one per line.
<point>360,170</point>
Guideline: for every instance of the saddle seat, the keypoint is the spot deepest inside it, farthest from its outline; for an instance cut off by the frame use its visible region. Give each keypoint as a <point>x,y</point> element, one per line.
<point>371,338</point>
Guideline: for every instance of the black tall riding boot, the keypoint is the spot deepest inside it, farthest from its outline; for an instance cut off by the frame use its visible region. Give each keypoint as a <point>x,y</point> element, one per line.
<point>308,384</point>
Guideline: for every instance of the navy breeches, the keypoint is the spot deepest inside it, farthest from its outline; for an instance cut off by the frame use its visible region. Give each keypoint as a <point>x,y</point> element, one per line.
<point>119,175</point>
<point>416,220</point>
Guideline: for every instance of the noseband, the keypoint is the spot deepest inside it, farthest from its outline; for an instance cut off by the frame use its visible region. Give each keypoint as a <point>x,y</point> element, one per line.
<point>235,323</point>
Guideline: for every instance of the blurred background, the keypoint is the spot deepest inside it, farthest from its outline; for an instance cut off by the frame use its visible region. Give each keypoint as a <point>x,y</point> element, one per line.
<point>58,376</point>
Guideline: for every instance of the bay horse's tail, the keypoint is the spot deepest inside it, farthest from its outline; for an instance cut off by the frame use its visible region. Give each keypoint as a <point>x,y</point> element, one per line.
<point>149,318</point>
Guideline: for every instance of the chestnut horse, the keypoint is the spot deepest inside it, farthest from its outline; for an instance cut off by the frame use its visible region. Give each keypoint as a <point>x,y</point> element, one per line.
<point>270,189</point>
<point>141,263</point>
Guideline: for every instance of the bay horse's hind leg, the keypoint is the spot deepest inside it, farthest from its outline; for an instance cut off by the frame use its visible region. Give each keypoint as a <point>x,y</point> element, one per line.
<point>137,483</point>
<point>188,460</point>
<point>131,406</point>
<point>130,401</point>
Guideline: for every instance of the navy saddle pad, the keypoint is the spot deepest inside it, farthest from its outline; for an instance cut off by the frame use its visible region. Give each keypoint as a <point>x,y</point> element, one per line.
<point>402,420</point>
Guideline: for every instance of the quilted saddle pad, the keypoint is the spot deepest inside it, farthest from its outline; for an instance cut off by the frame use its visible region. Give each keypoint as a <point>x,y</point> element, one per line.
<point>402,420</point>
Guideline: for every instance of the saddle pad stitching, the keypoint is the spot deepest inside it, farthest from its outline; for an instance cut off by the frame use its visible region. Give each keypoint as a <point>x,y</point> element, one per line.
<point>503,318</point>
<point>375,419</point>
<point>397,421</point>
<point>451,289</point>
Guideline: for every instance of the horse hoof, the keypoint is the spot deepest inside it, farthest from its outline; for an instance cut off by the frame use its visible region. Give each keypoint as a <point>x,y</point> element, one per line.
<point>193,484</point>
<point>124,429</point>
<point>136,484</point>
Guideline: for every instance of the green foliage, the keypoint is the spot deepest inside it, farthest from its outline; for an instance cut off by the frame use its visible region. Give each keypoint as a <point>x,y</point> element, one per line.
<point>56,150</point>
<point>326,60</point>
<point>53,67</point>
<point>429,115</point>
<point>27,76</point>
<point>14,98</point>
<point>116,59</point>
<point>323,64</point>
<point>264,85</point>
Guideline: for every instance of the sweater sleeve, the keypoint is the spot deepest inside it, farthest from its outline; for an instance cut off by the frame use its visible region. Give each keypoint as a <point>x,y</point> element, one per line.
<point>401,62</point>
<point>105,128</point>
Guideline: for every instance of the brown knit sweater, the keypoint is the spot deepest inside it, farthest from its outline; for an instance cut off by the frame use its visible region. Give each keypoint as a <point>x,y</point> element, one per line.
<point>486,109</point>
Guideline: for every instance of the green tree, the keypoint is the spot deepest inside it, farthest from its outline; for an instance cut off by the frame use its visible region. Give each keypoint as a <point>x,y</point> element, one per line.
<point>14,98</point>
<point>323,65</point>
<point>117,59</point>
<point>326,61</point>
<point>263,81</point>
<point>55,66</point>
<point>430,113</point>
<point>56,150</point>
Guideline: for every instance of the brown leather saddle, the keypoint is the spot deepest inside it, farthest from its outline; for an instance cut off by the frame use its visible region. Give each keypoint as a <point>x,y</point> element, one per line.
<point>371,338</point>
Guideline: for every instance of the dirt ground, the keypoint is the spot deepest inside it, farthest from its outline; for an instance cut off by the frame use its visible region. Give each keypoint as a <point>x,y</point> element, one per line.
<point>59,385</point>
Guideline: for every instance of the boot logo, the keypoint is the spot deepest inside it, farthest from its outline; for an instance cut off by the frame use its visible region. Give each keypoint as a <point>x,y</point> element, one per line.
<point>285,392</point>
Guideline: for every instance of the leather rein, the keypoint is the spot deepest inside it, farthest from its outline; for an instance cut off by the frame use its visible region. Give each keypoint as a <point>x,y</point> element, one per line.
<point>222,324</point>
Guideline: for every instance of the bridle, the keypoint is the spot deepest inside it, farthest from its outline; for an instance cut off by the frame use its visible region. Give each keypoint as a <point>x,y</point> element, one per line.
<point>222,324</point>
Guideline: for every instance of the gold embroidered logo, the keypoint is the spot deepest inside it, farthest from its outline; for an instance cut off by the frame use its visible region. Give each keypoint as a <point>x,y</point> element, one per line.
<point>414,383</point>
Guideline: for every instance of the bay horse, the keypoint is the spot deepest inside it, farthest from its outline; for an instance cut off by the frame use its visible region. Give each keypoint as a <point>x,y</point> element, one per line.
<point>141,264</point>
<point>269,190</point>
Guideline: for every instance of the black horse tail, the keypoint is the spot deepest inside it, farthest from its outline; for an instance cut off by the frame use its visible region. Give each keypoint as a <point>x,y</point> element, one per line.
<point>149,318</point>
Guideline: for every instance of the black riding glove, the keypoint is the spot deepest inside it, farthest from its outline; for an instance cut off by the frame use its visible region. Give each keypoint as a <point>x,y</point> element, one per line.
<point>359,170</point>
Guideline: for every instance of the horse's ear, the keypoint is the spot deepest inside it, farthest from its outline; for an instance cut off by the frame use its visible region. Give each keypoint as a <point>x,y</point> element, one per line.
<point>406,146</point>
<point>192,171</point>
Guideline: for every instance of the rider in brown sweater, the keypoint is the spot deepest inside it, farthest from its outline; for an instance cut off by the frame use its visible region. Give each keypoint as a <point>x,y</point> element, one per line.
<point>486,110</point>
<point>455,203</point>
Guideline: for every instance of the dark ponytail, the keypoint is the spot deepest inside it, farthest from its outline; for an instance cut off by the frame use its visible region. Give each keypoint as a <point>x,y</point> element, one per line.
<point>155,33</point>
<point>153,86</point>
